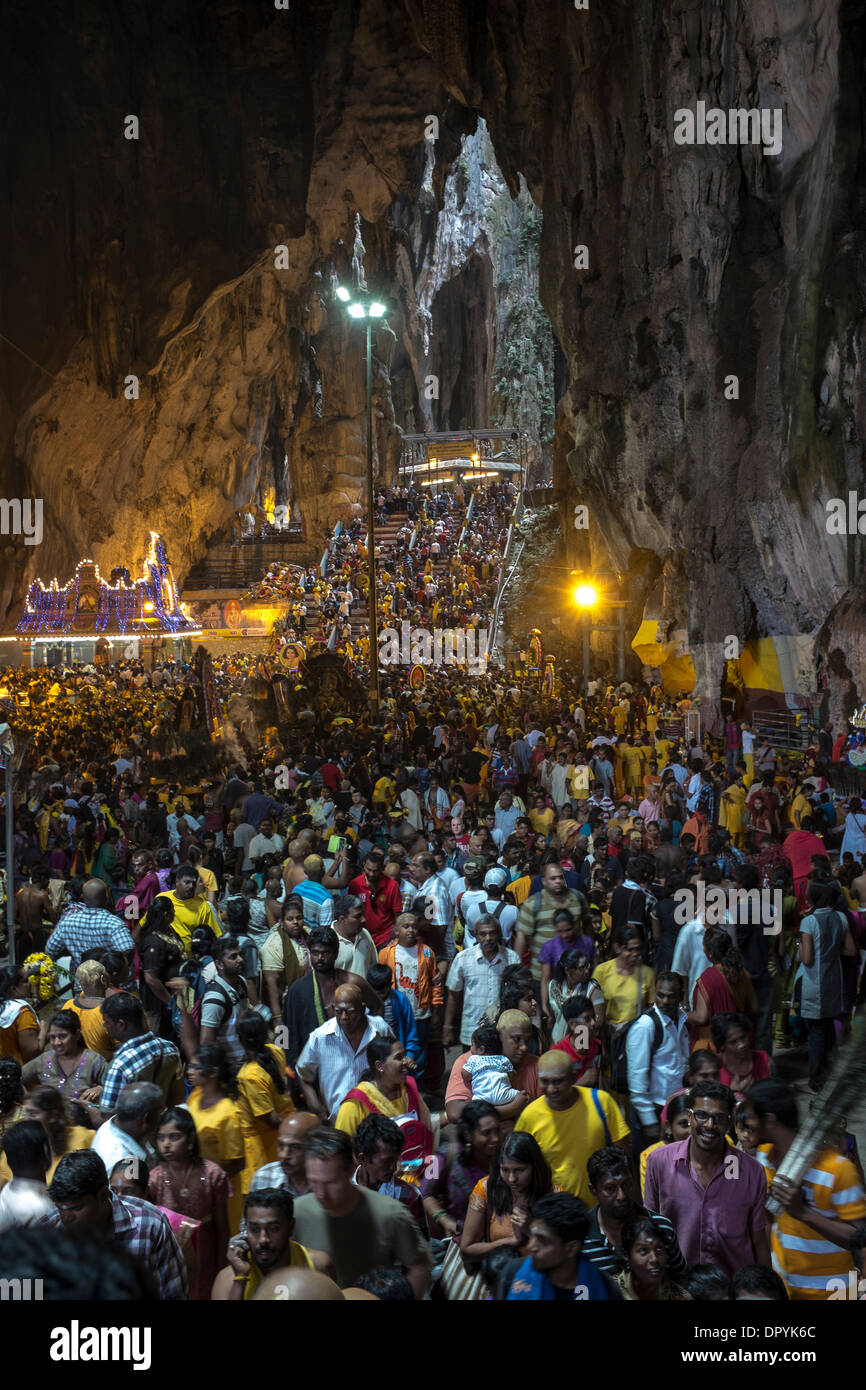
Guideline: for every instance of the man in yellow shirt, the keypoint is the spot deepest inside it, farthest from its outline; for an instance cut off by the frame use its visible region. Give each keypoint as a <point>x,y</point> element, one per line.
<point>570,1122</point>
<point>579,778</point>
<point>384,792</point>
<point>190,911</point>
<point>631,767</point>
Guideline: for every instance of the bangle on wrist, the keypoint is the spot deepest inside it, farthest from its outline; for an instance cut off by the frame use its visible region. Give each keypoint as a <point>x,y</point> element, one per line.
<point>440,1216</point>
<point>239,1279</point>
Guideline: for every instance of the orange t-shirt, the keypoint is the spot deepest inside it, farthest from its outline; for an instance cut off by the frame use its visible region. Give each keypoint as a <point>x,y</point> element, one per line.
<point>93,1029</point>
<point>9,1045</point>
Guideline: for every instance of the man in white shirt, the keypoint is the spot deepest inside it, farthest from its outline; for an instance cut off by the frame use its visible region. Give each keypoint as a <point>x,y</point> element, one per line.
<point>473,981</point>
<point>657,1049</point>
<point>411,803</point>
<point>266,842</point>
<point>357,948</point>
<point>491,904</point>
<point>128,1134</point>
<point>689,959</point>
<point>334,1057</point>
<point>24,1200</point>
<point>693,791</point>
<point>561,773</point>
<point>243,835</point>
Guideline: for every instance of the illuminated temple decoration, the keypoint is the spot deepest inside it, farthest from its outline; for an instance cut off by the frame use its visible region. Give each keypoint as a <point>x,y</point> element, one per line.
<point>89,606</point>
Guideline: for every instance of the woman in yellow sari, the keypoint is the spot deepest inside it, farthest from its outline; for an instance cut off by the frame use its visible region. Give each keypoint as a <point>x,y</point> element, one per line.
<point>214,1108</point>
<point>732,812</point>
<point>263,1098</point>
<point>386,1088</point>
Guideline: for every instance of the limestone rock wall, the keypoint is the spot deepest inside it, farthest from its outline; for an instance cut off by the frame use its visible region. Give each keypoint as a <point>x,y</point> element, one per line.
<point>259,127</point>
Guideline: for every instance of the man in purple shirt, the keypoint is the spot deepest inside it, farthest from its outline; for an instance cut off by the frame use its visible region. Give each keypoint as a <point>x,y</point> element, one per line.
<point>712,1193</point>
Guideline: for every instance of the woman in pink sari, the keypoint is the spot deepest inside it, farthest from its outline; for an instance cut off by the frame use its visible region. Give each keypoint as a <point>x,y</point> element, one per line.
<point>799,848</point>
<point>734,1041</point>
<point>725,988</point>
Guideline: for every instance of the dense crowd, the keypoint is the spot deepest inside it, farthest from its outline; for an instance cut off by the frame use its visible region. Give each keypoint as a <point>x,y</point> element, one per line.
<point>420,1008</point>
<point>441,569</point>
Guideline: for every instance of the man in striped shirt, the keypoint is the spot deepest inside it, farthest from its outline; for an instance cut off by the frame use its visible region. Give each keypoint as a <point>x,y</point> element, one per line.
<point>612,1184</point>
<point>599,801</point>
<point>318,903</point>
<point>811,1237</point>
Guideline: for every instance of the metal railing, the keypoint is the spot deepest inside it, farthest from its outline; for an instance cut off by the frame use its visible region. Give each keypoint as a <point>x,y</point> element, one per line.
<point>783,728</point>
<point>506,574</point>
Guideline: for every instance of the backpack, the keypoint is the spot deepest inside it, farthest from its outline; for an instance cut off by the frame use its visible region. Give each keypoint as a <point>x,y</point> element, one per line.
<point>618,1055</point>
<point>417,1139</point>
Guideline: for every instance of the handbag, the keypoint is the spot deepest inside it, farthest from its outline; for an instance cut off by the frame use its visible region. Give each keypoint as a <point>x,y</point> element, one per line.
<point>458,1284</point>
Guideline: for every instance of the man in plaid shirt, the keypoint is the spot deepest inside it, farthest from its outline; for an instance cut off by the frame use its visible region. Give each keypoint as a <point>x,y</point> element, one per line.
<point>86,926</point>
<point>81,1194</point>
<point>140,1055</point>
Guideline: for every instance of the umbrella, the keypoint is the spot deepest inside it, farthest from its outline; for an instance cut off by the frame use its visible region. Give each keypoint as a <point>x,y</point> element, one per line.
<point>601,739</point>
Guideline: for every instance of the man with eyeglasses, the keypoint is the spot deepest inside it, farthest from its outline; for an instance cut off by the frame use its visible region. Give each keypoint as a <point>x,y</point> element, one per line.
<point>712,1193</point>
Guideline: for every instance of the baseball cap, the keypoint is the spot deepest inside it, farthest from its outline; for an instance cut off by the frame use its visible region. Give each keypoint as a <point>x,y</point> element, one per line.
<point>495,878</point>
<point>473,865</point>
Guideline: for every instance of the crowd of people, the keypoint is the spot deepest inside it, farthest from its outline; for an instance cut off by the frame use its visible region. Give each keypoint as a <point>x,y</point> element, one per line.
<point>432,1006</point>
<point>441,569</point>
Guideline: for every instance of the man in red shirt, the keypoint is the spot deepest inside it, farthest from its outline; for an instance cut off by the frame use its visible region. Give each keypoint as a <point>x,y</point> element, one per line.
<point>381,897</point>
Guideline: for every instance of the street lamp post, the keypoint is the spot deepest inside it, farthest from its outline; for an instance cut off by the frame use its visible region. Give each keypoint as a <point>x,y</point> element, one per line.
<point>361,306</point>
<point>587,597</point>
<point>7,752</point>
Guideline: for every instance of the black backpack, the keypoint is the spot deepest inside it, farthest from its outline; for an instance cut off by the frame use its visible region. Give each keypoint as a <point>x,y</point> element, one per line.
<point>618,1056</point>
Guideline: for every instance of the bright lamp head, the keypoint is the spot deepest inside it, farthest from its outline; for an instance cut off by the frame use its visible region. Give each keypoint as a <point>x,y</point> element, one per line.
<point>376,310</point>
<point>343,294</point>
<point>357,311</point>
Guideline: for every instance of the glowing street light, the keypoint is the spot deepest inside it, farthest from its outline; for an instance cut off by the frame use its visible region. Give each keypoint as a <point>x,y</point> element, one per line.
<point>360,305</point>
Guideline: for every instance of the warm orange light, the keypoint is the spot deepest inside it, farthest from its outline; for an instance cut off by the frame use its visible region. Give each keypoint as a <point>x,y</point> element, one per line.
<point>148,607</point>
<point>585,595</point>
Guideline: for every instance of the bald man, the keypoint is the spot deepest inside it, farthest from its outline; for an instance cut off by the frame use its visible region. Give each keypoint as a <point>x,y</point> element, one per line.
<point>335,1055</point>
<point>570,1122</point>
<point>289,1171</point>
<point>86,926</point>
<point>303,1286</point>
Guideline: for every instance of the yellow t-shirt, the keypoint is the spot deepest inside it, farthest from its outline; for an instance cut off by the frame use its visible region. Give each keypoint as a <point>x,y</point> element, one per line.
<point>257,1098</point>
<point>568,1138</point>
<point>208,878</point>
<point>542,821</point>
<point>385,790</point>
<point>93,1029</point>
<point>631,764</point>
<point>622,996</point>
<point>190,913</point>
<point>77,1137</point>
<point>218,1128</point>
<point>659,1144</point>
<point>23,1021</point>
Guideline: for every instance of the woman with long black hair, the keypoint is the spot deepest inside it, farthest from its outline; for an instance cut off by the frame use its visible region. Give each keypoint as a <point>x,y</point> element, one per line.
<point>500,1204</point>
<point>263,1096</point>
